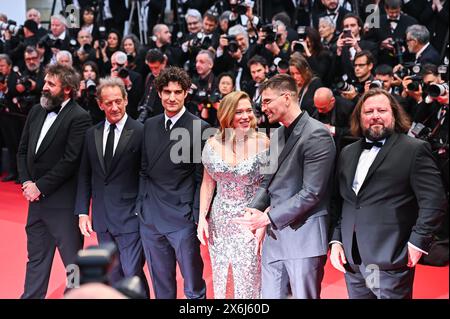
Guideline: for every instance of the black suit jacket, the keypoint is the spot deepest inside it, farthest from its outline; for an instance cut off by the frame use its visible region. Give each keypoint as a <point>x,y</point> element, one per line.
<point>54,166</point>
<point>169,190</point>
<point>114,192</point>
<point>400,201</point>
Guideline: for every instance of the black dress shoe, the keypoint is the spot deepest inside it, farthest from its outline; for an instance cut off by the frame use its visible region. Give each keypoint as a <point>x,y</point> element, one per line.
<point>9,178</point>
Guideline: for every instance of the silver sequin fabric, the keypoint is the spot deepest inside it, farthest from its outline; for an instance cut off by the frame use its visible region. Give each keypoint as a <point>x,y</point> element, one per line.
<point>230,243</point>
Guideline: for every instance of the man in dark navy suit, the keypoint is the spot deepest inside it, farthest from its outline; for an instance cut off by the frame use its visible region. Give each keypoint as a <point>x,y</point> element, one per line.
<point>169,190</point>
<point>109,174</point>
<point>418,41</point>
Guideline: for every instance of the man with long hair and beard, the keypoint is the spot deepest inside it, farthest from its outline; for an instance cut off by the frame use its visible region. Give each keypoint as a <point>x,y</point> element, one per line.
<point>391,201</point>
<point>47,160</point>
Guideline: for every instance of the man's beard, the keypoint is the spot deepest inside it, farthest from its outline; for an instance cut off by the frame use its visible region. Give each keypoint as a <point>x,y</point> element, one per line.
<point>378,135</point>
<point>50,102</point>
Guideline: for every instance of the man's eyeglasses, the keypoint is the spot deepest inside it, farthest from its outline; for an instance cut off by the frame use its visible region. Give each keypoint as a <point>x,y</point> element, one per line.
<point>266,102</point>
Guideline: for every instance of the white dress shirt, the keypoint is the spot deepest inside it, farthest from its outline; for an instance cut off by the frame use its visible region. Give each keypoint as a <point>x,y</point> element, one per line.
<point>117,132</point>
<point>51,117</point>
<point>174,118</point>
<point>365,162</point>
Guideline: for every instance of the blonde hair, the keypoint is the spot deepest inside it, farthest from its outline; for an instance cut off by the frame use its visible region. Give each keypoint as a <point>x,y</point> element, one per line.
<point>227,111</point>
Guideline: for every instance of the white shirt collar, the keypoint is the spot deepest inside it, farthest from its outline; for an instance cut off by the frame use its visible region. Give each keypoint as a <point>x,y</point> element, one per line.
<point>63,104</point>
<point>174,118</point>
<point>119,125</point>
<point>421,50</point>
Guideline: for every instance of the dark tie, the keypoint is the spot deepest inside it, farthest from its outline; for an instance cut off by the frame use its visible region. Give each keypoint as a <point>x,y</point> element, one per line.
<point>168,124</point>
<point>109,147</point>
<point>368,145</point>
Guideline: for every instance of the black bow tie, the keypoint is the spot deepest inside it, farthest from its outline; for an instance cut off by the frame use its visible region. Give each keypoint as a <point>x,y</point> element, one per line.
<point>56,109</point>
<point>368,145</point>
<point>331,14</point>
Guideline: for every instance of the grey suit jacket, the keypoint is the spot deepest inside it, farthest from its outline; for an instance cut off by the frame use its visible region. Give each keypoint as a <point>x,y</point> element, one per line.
<point>298,192</point>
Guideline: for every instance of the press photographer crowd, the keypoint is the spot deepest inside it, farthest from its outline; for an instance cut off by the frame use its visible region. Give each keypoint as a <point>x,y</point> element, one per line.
<point>338,52</point>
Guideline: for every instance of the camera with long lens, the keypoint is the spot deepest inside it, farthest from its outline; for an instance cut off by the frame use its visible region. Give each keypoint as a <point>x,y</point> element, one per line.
<point>233,46</point>
<point>409,68</point>
<point>301,33</point>
<point>96,264</point>
<point>25,81</point>
<point>90,87</point>
<point>102,36</point>
<point>343,86</point>
<point>239,7</point>
<point>415,84</point>
<point>201,41</point>
<point>122,71</point>
<point>271,33</point>
<point>435,90</point>
<point>47,42</point>
<point>10,26</point>
<point>376,84</point>
<point>85,48</point>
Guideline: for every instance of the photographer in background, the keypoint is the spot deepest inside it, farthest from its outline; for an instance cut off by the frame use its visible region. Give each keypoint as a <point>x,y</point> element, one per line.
<point>418,41</point>
<point>85,52</point>
<point>135,54</point>
<point>362,66</point>
<point>232,55</point>
<point>390,34</point>
<point>349,43</point>
<point>132,81</point>
<point>87,93</point>
<point>30,81</point>
<point>203,85</point>
<point>15,44</point>
<point>162,40</point>
<point>150,104</point>
<point>272,42</point>
<point>319,58</point>
<point>105,48</point>
<point>11,119</point>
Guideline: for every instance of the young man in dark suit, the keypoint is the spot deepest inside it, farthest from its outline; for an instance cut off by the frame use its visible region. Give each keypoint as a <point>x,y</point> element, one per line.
<point>169,190</point>
<point>392,202</point>
<point>109,175</point>
<point>47,161</point>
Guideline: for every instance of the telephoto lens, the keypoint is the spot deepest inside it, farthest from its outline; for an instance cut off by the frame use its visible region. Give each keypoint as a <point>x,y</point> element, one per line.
<point>435,90</point>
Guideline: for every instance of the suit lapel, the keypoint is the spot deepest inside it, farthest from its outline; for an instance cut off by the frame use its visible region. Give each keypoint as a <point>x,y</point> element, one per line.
<point>166,139</point>
<point>54,129</point>
<point>292,140</point>
<point>350,170</point>
<point>36,129</point>
<point>98,136</point>
<point>125,137</point>
<point>379,159</point>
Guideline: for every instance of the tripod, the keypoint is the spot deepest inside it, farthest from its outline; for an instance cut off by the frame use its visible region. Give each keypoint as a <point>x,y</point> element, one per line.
<point>136,4</point>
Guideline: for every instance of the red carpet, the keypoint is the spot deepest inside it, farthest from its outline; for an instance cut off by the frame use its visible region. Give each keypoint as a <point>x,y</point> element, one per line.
<point>430,282</point>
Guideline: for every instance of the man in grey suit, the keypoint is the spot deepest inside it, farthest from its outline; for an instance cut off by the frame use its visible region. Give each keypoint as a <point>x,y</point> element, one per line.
<point>293,201</point>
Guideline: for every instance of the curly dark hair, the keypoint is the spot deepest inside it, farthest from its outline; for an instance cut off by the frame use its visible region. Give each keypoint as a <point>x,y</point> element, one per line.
<point>67,75</point>
<point>173,74</point>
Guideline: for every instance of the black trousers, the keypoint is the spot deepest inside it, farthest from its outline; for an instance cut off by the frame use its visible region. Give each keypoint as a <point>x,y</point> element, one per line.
<point>48,229</point>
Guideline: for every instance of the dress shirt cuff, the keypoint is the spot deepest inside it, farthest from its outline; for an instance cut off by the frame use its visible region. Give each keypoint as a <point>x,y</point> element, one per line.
<point>335,242</point>
<point>417,248</point>
<point>79,215</point>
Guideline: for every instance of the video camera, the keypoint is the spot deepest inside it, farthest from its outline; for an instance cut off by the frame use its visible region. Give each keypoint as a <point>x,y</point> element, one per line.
<point>97,262</point>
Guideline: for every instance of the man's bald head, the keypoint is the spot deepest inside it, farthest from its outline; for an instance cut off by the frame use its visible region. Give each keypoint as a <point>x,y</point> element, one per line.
<point>324,100</point>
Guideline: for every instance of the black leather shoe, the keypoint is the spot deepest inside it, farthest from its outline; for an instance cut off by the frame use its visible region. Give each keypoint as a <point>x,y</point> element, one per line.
<point>9,178</point>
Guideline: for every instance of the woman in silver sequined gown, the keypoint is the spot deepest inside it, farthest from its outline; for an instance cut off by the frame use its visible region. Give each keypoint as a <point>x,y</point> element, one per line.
<point>236,183</point>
